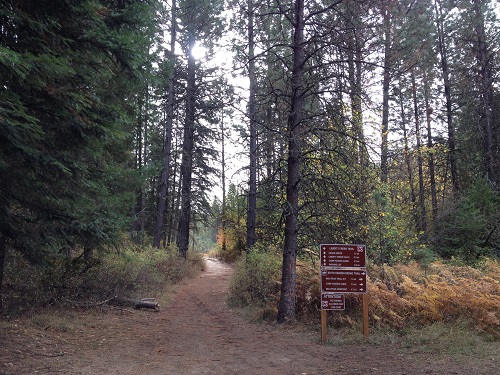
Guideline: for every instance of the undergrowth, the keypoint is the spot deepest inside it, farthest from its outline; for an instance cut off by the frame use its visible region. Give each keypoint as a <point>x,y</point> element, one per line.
<point>401,297</point>
<point>256,279</point>
<point>132,272</point>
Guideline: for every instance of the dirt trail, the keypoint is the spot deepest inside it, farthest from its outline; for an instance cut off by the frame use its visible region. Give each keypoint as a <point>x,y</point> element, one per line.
<point>198,334</point>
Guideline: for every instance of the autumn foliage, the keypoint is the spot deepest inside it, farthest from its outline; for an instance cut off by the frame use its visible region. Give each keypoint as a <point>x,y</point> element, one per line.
<point>400,296</point>
<point>406,295</point>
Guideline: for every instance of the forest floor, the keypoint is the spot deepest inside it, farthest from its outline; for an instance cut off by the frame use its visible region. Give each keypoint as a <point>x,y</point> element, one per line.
<point>197,333</point>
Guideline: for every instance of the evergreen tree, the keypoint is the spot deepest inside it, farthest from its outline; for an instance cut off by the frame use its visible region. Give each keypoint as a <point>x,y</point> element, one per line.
<point>200,22</point>
<point>68,82</point>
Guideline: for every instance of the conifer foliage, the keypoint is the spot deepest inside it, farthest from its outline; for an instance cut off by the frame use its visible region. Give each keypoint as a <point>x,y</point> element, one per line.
<point>67,73</point>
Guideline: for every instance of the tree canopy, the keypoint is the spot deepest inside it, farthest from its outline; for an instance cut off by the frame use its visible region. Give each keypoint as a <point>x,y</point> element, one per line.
<point>371,122</point>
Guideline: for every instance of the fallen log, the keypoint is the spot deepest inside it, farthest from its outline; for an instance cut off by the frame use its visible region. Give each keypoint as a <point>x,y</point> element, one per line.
<point>144,303</point>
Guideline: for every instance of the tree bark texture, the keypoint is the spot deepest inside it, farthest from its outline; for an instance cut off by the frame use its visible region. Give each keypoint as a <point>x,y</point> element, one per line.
<point>384,147</point>
<point>484,60</point>
<point>430,146</point>
<point>409,169</point>
<point>422,222</point>
<point>3,250</point>
<point>447,93</point>
<point>252,113</point>
<point>287,303</point>
<point>187,154</point>
<point>164,176</point>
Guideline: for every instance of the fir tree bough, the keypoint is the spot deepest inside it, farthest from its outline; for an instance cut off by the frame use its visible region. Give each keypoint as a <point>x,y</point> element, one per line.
<point>67,71</point>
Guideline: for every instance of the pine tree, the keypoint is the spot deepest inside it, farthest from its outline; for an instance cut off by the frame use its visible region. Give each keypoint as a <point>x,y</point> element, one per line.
<point>67,72</point>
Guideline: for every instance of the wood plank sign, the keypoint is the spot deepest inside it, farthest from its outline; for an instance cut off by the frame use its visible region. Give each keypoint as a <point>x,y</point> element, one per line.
<point>337,255</point>
<point>342,270</point>
<point>332,301</point>
<point>343,280</point>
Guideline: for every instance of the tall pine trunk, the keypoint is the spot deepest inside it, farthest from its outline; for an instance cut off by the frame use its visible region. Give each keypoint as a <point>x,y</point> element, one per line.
<point>252,113</point>
<point>164,176</point>
<point>287,303</point>
<point>187,154</point>
<point>447,93</point>
<point>384,147</point>
<point>484,60</point>
<point>409,169</point>
<point>430,146</point>
<point>3,251</point>
<point>422,223</point>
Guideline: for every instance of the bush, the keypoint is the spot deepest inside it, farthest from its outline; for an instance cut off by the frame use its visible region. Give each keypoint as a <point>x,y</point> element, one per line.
<point>230,244</point>
<point>132,273</point>
<point>255,280</point>
<point>469,230</point>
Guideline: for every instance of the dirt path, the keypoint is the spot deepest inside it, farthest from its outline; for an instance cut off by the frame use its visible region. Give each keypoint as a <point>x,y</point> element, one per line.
<point>198,334</point>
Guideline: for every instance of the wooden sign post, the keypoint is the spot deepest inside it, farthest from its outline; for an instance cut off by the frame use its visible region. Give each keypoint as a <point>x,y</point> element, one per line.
<point>342,270</point>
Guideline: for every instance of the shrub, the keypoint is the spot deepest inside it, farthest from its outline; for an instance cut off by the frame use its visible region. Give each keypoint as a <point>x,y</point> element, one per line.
<point>255,280</point>
<point>469,230</point>
<point>133,273</point>
<point>230,244</point>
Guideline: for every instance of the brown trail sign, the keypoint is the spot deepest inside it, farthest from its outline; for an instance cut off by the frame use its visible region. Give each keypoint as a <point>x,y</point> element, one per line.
<point>336,255</point>
<point>343,280</point>
<point>332,301</point>
<point>343,270</point>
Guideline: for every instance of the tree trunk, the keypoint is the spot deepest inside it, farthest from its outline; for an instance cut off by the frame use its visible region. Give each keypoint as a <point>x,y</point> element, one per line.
<point>164,176</point>
<point>187,154</point>
<point>409,169</point>
<point>484,59</point>
<point>422,223</point>
<point>223,182</point>
<point>430,146</point>
<point>355,58</point>
<point>3,251</point>
<point>252,113</point>
<point>287,303</point>
<point>447,94</point>
<point>138,223</point>
<point>384,147</point>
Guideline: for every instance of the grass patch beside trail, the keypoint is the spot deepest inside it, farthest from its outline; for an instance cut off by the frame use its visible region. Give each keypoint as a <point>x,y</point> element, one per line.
<point>455,339</point>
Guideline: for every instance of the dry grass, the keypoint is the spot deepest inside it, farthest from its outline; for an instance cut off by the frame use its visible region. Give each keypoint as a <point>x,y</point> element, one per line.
<point>407,295</point>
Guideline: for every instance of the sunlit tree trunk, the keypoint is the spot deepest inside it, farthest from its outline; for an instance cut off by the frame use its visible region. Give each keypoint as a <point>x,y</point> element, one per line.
<point>187,153</point>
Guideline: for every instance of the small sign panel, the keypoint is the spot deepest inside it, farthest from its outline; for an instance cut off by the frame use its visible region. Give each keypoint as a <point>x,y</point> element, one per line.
<point>332,301</point>
<point>343,281</point>
<point>337,255</point>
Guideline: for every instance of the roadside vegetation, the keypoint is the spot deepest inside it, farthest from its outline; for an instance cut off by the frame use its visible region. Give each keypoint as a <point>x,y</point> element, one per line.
<point>404,299</point>
<point>131,272</point>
